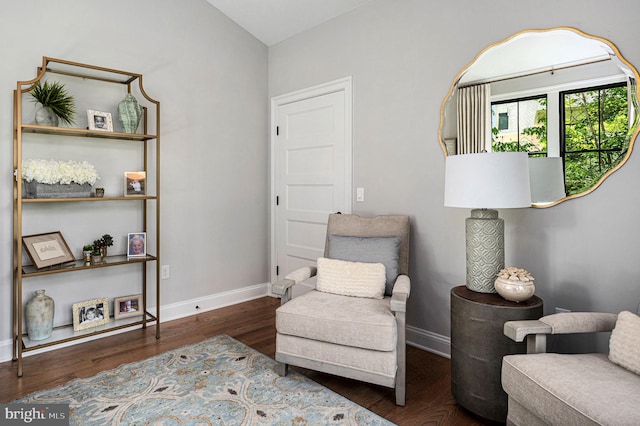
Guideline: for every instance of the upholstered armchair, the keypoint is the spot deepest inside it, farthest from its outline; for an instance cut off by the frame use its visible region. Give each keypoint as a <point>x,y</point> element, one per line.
<point>574,389</point>
<point>352,324</point>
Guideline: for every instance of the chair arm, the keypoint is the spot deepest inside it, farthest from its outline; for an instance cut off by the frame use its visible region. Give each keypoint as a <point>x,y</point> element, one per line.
<point>401,291</point>
<point>283,287</point>
<point>564,323</point>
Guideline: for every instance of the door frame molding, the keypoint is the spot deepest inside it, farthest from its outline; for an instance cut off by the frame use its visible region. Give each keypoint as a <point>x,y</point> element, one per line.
<point>345,85</point>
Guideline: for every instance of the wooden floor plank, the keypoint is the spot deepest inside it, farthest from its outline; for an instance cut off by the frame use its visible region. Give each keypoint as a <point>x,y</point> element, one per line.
<point>429,398</point>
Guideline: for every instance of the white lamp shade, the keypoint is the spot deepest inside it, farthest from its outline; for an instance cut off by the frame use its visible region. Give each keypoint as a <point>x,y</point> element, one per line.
<point>547,179</point>
<point>492,180</point>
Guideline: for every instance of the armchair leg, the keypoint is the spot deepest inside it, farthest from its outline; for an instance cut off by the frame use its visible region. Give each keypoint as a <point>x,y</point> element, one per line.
<point>282,369</point>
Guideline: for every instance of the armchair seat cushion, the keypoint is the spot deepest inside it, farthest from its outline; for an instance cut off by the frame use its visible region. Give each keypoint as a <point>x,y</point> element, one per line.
<point>576,389</point>
<point>349,321</point>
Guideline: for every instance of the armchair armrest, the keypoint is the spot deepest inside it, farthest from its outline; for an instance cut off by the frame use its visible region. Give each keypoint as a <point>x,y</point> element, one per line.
<point>536,331</point>
<point>401,291</point>
<point>283,287</point>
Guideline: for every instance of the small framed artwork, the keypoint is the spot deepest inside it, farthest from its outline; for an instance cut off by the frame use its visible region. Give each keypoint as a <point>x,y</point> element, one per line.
<point>47,249</point>
<point>99,120</point>
<point>90,313</point>
<point>137,244</point>
<point>128,306</point>
<point>135,184</point>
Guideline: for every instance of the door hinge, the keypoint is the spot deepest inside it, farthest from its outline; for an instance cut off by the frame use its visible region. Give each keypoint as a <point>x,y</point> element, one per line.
<point>277,270</point>
<point>277,130</point>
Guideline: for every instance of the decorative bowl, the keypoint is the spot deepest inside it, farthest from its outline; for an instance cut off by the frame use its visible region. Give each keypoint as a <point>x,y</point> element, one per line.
<point>514,291</point>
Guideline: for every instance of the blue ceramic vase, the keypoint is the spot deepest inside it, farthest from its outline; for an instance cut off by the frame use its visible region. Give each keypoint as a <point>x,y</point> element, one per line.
<point>39,316</point>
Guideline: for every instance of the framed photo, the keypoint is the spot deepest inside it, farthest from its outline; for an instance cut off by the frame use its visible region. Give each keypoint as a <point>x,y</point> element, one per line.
<point>90,313</point>
<point>137,244</point>
<point>99,120</point>
<point>135,184</point>
<point>128,306</point>
<point>47,249</point>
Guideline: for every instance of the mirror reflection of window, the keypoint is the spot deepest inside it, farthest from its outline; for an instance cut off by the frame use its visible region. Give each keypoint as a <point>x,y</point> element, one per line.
<point>520,125</point>
<point>595,134</point>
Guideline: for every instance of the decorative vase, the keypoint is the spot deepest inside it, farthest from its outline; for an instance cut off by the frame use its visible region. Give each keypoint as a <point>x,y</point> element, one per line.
<point>39,316</point>
<point>46,117</point>
<point>103,251</point>
<point>86,255</point>
<point>99,192</point>
<point>514,291</point>
<point>130,113</point>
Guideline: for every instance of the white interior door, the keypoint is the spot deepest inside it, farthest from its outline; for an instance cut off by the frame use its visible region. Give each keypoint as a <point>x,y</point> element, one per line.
<point>312,171</point>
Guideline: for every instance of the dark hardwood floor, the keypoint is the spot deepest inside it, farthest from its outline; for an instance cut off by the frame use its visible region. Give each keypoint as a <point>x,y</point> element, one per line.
<point>429,399</point>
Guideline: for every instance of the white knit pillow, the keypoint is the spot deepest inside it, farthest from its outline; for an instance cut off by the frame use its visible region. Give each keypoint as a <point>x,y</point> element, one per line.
<point>624,345</point>
<point>351,278</point>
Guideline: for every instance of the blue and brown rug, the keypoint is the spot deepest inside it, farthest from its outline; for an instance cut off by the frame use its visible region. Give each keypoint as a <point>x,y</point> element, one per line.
<point>216,382</point>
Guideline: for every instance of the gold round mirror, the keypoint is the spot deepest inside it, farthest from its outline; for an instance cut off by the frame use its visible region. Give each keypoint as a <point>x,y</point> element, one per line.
<point>568,99</point>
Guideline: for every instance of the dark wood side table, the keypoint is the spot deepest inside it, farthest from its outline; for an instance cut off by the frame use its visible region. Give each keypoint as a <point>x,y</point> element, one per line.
<point>478,345</point>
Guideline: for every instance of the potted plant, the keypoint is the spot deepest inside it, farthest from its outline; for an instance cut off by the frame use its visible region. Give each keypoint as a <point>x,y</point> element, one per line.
<point>102,243</point>
<point>56,103</point>
<point>87,250</point>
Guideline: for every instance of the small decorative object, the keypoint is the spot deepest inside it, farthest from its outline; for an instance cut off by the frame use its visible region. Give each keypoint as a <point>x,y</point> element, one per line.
<point>57,179</point>
<point>47,249</point>
<point>99,192</point>
<point>135,184</point>
<point>137,244</point>
<point>86,253</point>
<point>55,104</point>
<point>99,120</point>
<point>130,113</point>
<point>129,306</point>
<point>39,316</point>
<point>91,313</point>
<point>515,284</point>
<point>100,245</point>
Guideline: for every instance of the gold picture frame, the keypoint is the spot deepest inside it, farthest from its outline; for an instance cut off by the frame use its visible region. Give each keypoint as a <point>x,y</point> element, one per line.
<point>135,184</point>
<point>99,120</point>
<point>48,249</point>
<point>90,313</point>
<point>127,306</point>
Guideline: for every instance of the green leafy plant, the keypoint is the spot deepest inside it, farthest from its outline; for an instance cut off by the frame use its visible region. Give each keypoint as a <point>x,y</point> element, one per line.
<point>87,247</point>
<point>54,96</point>
<point>105,241</point>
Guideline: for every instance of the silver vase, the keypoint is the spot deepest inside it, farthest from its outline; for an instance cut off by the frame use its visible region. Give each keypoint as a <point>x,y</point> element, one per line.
<point>46,117</point>
<point>39,316</point>
<point>130,113</point>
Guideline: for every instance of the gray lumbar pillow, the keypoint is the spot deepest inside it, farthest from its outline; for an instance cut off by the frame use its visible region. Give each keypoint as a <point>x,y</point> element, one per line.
<point>385,250</point>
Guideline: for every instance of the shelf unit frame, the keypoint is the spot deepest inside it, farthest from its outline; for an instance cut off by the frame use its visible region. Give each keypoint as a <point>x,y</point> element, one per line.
<point>21,342</point>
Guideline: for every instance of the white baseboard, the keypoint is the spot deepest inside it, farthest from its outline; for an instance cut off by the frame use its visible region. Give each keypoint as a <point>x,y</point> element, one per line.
<point>167,313</point>
<point>428,341</point>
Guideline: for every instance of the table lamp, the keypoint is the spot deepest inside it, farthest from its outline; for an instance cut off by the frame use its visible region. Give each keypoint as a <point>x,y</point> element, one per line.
<point>484,182</point>
<point>547,179</point>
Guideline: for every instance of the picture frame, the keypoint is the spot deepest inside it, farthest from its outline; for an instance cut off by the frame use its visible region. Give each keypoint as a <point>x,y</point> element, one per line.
<point>135,184</point>
<point>47,249</point>
<point>90,313</point>
<point>137,244</point>
<point>127,306</point>
<point>99,120</point>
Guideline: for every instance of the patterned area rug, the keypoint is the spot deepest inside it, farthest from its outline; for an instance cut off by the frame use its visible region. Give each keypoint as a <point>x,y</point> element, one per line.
<point>216,382</point>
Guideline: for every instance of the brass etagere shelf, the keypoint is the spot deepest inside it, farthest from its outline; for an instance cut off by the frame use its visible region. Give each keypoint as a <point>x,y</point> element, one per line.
<point>65,333</point>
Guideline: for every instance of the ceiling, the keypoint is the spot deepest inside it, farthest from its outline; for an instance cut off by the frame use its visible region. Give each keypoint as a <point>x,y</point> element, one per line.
<point>272,21</point>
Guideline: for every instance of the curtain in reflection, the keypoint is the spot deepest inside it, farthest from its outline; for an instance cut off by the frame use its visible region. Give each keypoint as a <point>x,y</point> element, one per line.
<point>474,119</point>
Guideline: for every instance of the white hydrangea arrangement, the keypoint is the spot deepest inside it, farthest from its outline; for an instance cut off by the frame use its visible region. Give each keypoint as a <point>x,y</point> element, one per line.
<point>54,171</point>
<point>513,273</point>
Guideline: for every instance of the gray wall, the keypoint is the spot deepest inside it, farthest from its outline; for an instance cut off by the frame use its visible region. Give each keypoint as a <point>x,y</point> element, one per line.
<point>403,56</point>
<point>210,77</point>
